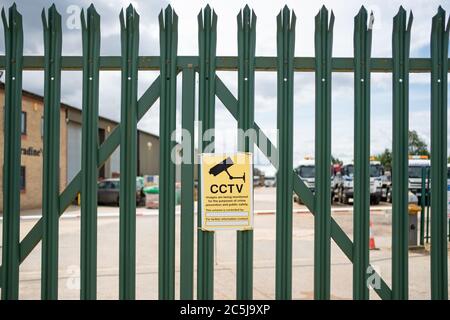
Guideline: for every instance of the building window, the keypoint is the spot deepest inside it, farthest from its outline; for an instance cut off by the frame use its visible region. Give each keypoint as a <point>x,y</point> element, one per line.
<point>22,178</point>
<point>42,127</point>
<point>23,122</point>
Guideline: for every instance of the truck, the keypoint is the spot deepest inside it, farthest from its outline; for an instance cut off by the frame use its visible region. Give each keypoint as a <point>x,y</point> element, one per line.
<point>343,185</point>
<point>386,185</point>
<point>307,173</point>
<point>415,166</point>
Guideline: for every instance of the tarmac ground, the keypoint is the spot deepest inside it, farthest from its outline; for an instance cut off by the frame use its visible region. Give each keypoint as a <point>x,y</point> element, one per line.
<point>224,254</point>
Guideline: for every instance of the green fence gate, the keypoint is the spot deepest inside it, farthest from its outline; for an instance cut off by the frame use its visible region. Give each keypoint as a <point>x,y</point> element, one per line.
<point>205,65</point>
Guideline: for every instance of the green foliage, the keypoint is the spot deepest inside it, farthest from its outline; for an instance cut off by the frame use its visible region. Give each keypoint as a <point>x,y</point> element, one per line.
<point>385,159</point>
<point>336,160</point>
<point>416,145</point>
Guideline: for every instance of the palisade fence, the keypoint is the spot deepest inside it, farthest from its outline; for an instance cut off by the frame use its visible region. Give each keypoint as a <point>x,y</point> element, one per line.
<point>242,108</point>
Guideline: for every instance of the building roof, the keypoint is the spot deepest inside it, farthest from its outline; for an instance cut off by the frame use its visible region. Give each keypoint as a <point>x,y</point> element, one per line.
<point>65,105</point>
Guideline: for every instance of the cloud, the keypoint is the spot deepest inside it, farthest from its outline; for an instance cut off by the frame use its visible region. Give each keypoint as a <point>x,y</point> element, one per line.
<point>265,86</point>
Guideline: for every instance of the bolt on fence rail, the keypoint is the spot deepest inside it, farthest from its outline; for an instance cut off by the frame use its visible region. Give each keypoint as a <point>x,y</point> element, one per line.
<point>211,86</point>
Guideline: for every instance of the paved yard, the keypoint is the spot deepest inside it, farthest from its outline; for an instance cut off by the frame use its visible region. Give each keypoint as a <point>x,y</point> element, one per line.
<point>225,254</point>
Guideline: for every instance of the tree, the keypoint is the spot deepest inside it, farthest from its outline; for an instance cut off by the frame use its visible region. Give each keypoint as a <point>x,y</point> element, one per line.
<point>385,159</point>
<point>336,161</point>
<point>416,145</point>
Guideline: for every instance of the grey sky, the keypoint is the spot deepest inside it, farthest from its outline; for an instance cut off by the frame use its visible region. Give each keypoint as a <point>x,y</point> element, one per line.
<point>265,100</point>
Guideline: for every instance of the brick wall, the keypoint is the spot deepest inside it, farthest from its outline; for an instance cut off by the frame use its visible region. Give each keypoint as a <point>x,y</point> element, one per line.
<point>31,197</point>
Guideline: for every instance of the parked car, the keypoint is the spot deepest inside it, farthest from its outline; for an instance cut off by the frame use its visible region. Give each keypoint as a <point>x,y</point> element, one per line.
<point>256,181</point>
<point>270,181</point>
<point>108,191</point>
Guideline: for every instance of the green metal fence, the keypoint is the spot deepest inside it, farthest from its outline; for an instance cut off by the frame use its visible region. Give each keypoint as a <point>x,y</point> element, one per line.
<point>425,208</point>
<point>205,65</point>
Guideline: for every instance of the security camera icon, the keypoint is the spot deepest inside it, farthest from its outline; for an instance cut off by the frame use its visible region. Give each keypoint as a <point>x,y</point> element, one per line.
<point>223,166</point>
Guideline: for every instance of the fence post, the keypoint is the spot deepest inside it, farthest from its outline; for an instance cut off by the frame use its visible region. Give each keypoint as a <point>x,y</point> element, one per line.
<point>322,219</point>
<point>207,41</point>
<point>423,200</point>
<point>246,118</point>
<point>439,75</point>
<point>89,153</point>
<point>168,23</point>
<point>50,176</point>
<point>187,187</point>
<point>400,109</point>
<point>285,104</point>
<point>128,153</point>
<point>11,160</point>
<point>362,39</point>
<point>428,206</point>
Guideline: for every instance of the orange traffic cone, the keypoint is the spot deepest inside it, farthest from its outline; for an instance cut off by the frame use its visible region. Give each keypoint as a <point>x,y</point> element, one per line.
<point>372,238</point>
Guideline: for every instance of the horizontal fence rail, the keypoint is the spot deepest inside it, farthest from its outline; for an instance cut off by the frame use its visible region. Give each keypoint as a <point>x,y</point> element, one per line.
<point>242,108</point>
<point>225,63</point>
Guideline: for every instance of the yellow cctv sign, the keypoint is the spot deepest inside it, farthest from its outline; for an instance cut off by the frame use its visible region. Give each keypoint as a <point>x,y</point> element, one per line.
<point>227,191</point>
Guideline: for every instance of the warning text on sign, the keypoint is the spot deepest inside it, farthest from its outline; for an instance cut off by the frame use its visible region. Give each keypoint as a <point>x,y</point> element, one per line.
<point>227,191</point>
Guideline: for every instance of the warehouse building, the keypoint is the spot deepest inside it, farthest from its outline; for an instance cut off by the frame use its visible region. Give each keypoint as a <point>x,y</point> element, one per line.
<point>70,148</point>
